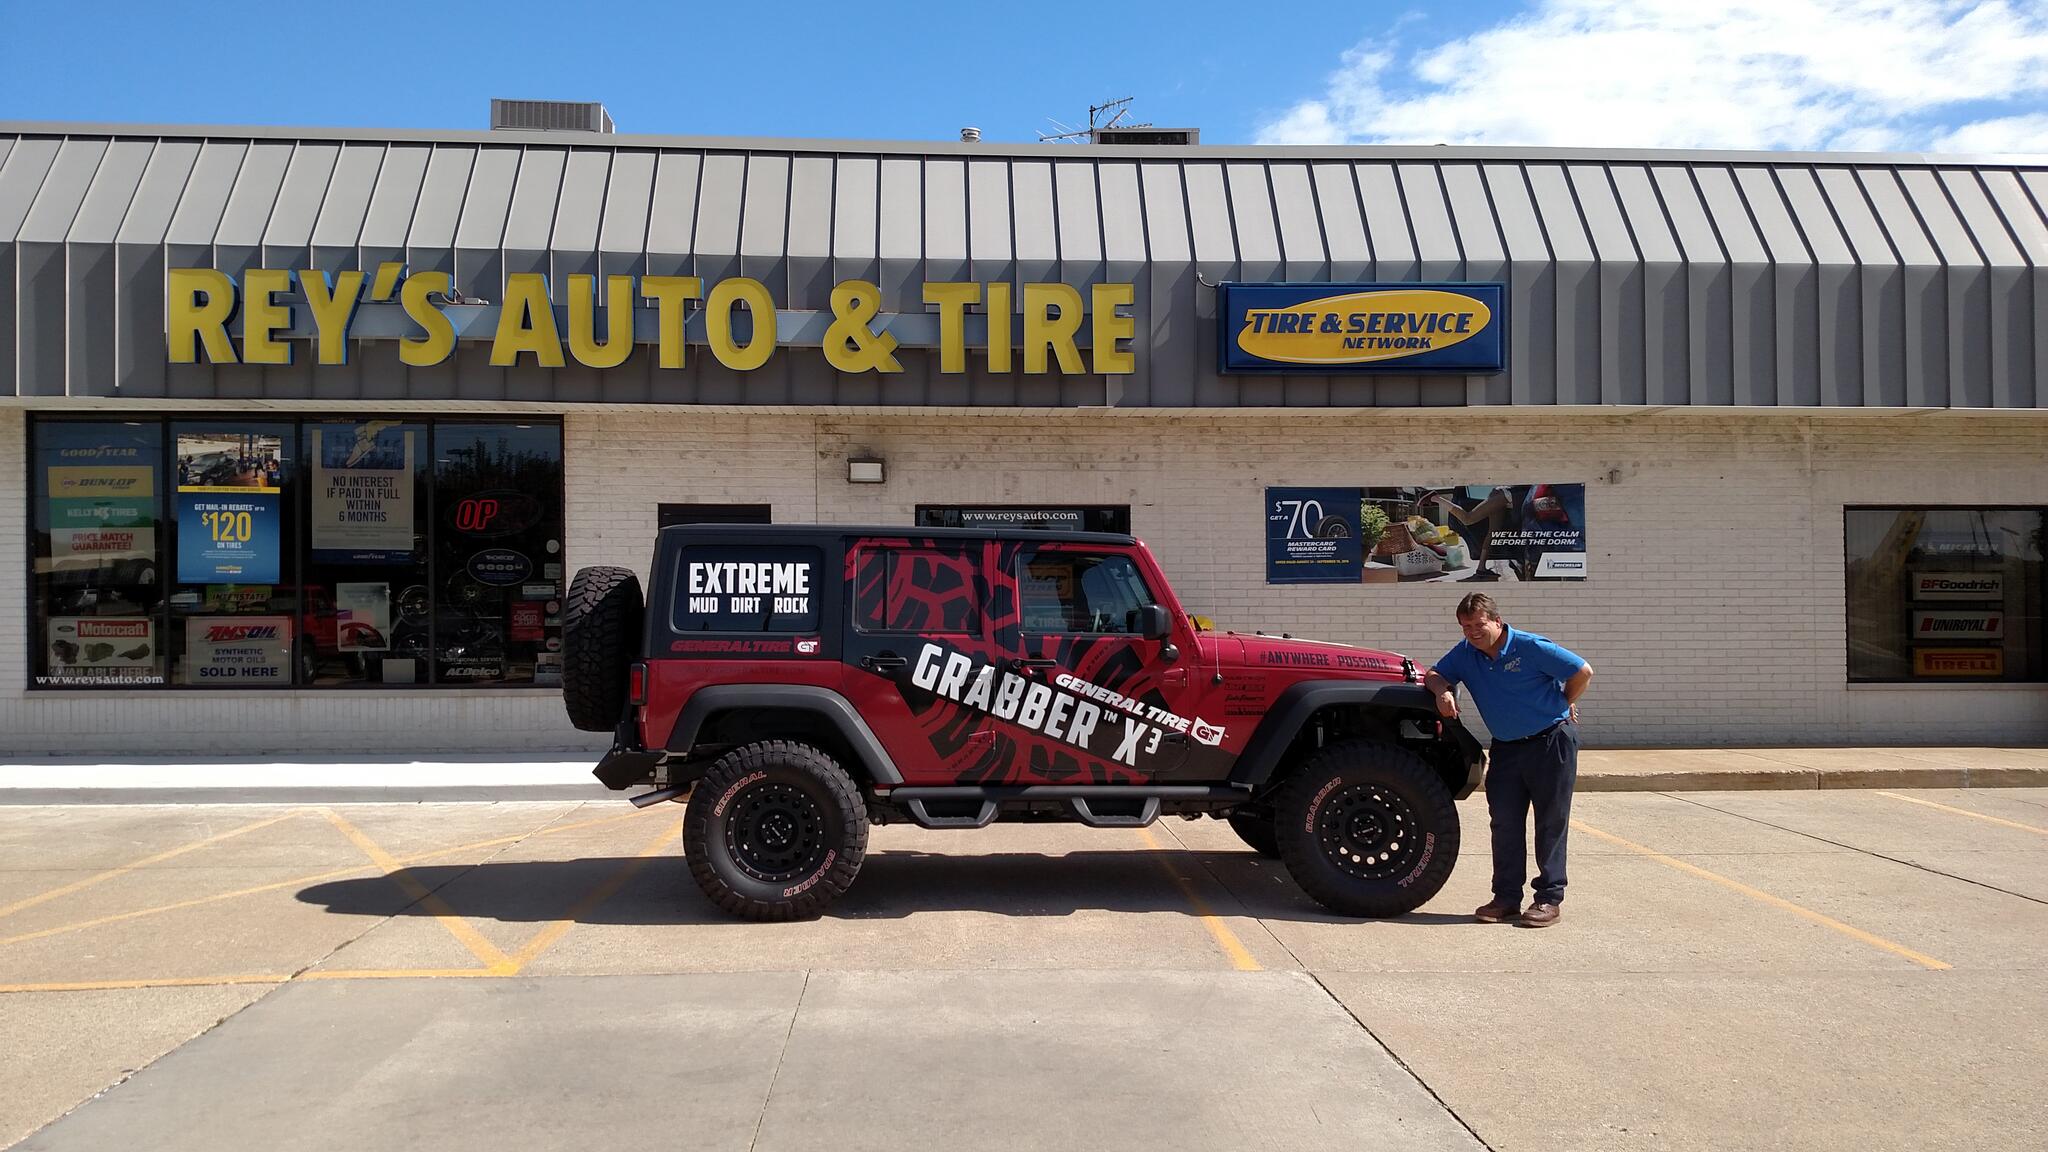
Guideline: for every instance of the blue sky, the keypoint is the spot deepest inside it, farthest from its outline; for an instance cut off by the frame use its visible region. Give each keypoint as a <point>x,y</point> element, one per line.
<point>1880,74</point>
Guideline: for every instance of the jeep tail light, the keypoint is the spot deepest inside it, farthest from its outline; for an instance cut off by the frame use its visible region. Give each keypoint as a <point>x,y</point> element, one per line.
<point>636,684</point>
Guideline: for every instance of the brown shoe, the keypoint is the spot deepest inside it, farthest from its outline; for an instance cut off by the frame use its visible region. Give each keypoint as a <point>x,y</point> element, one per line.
<point>1495,912</point>
<point>1541,915</point>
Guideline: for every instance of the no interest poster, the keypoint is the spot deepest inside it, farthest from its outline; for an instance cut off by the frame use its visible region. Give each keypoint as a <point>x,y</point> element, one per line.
<point>363,494</point>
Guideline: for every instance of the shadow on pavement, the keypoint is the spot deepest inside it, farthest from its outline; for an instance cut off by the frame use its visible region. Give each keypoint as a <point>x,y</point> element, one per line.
<point>891,885</point>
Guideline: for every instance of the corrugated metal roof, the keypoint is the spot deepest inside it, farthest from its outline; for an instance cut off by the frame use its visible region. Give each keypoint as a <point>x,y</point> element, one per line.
<point>1707,279</point>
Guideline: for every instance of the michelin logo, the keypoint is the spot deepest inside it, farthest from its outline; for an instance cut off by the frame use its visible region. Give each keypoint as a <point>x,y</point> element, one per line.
<point>1564,564</point>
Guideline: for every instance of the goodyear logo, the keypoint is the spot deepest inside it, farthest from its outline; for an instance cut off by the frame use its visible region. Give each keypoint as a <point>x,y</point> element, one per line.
<point>1272,327</point>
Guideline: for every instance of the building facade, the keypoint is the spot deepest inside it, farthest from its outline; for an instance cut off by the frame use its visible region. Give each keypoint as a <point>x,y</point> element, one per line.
<point>302,433</point>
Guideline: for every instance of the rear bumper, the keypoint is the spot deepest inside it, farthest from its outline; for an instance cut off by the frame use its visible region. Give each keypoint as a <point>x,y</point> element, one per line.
<point>627,763</point>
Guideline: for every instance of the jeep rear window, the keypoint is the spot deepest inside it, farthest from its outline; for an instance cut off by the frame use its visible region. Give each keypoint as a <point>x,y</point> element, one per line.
<point>747,588</point>
<point>930,591</point>
<point>1079,592</point>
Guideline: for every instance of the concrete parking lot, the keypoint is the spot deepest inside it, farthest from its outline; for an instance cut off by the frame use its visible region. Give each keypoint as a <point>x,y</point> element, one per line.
<point>1816,969</point>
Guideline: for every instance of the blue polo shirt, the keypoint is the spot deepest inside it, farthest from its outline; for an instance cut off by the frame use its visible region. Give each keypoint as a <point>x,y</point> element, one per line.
<point>1521,691</point>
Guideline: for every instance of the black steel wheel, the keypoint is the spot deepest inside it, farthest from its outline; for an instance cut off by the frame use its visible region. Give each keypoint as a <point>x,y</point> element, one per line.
<point>775,831</point>
<point>1368,829</point>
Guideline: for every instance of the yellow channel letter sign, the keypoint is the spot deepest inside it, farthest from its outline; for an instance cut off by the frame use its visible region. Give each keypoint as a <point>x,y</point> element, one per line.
<point>735,318</point>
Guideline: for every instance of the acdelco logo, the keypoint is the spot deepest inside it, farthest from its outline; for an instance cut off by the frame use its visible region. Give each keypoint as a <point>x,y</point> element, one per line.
<point>239,633</point>
<point>1361,327</point>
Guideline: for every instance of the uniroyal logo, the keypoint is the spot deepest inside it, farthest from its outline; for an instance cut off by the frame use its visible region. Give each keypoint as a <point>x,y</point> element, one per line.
<point>1975,625</point>
<point>237,633</point>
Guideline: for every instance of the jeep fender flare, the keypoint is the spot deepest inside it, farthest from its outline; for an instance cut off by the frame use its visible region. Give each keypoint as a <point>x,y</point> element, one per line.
<point>823,703</point>
<point>1285,719</point>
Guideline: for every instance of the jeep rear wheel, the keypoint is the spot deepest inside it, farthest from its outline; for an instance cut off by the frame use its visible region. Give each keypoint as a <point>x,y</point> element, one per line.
<point>1367,829</point>
<point>775,831</point>
<point>600,638</point>
<point>1254,826</point>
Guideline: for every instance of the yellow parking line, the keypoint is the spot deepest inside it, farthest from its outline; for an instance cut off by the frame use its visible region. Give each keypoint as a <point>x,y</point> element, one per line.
<point>396,872</point>
<point>1920,958</point>
<point>146,861</point>
<point>546,937</point>
<point>1240,956</point>
<point>168,982</point>
<point>331,874</point>
<point>1967,812</point>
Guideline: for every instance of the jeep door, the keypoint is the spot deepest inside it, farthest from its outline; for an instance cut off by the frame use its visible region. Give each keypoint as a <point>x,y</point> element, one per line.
<point>916,626</point>
<point>1126,697</point>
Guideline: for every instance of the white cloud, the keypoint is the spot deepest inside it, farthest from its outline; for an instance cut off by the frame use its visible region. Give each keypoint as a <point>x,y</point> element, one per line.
<point>1802,74</point>
<point>2005,134</point>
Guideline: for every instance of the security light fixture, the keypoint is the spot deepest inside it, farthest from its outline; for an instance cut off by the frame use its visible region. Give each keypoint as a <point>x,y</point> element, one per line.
<point>864,470</point>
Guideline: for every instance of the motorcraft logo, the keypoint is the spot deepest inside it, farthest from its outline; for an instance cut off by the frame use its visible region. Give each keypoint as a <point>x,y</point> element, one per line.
<point>1355,326</point>
<point>240,633</point>
<point>1099,721</point>
<point>111,629</point>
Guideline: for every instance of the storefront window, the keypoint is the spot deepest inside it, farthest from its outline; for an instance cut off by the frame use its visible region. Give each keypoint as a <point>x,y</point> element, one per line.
<point>498,563</point>
<point>318,552</point>
<point>1945,594</point>
<point>96,611</point>
<point>233,595</point>
<point>366,618</point>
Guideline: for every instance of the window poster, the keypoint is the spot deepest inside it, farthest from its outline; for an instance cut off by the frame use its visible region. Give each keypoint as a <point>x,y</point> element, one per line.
<point>102,650</point>
<point>238,650</point>
<point>362,617</point>
<point>363,493</point>
<point>101,513</point>
<point>228,501</point>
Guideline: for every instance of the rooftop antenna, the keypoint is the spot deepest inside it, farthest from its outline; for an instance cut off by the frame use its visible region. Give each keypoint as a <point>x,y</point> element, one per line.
<point>1116,110</point>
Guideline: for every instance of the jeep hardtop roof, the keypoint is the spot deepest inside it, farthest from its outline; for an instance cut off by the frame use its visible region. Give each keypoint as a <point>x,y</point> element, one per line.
<point>899,530</point>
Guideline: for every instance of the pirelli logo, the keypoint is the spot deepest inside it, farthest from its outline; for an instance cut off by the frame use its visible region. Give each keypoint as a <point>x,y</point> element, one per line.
<point>1958,662</point>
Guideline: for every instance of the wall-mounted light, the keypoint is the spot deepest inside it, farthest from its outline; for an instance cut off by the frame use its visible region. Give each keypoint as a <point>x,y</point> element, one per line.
<point>864,470</point>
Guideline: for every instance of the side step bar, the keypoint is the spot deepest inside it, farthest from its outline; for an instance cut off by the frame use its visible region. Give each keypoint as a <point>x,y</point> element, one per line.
<point>1096,805</point>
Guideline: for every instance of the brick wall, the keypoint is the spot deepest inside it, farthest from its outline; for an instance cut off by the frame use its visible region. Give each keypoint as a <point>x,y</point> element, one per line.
<point>1714,612</point>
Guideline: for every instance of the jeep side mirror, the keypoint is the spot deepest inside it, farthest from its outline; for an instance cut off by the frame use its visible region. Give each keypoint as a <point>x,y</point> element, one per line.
<point>1153,622</point>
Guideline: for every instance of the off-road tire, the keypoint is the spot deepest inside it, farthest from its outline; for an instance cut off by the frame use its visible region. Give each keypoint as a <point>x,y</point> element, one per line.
<point>1254,826</point>
<point>743,816</point>
<point>600,639</point>
<point>1367,829</point>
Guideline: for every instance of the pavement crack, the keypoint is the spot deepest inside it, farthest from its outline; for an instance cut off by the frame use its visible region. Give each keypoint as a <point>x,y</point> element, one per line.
<point>769,1097</point>
<point>1405,1067</point>
<point>1860,851</point>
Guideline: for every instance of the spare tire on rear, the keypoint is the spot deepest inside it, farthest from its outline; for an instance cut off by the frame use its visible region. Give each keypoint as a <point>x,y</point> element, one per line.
<point>600,640</point>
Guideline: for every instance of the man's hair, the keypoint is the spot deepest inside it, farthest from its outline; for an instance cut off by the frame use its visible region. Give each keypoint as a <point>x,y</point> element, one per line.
<point>1479,604</point>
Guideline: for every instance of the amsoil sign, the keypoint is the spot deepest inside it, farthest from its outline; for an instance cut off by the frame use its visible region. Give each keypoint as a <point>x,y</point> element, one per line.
<point>1325,328</point>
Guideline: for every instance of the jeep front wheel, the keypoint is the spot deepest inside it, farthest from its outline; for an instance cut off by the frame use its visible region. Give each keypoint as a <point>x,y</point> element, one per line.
<point>775,831</point>
<point>1367,829</point>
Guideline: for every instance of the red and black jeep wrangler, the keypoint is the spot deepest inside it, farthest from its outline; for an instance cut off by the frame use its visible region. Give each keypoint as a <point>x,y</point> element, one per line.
<point>796,683</point>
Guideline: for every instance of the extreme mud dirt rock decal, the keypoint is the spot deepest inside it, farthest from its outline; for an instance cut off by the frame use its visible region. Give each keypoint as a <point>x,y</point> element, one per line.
<point>1126,731</point>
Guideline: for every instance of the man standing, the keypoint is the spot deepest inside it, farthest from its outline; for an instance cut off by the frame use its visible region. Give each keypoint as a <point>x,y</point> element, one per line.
<point>1527,689</point>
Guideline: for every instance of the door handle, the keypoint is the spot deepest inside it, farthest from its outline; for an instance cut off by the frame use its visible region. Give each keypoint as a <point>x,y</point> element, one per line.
<point>886,662</point>
<point>1172,737</point>
<point>1029,665</point>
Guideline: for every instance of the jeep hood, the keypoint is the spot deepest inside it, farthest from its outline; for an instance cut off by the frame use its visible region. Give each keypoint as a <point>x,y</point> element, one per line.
<point>1321,656</point>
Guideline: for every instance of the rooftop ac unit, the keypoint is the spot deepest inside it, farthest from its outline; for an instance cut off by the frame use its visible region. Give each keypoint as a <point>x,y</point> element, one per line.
<point>550,116</point>
<point>1146,136</point>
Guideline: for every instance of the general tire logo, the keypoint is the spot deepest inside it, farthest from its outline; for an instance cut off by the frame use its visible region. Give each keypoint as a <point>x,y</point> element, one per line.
<point>718,809</point>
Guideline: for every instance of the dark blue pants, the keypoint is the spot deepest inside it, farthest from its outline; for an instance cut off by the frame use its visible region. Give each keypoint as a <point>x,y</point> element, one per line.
<point>1539,773</point>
